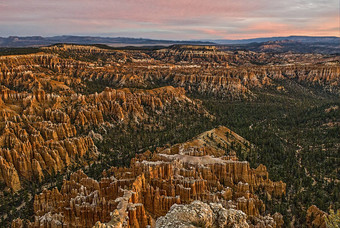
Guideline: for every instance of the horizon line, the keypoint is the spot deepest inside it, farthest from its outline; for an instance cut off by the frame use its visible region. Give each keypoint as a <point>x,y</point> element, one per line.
<point>131,37</point>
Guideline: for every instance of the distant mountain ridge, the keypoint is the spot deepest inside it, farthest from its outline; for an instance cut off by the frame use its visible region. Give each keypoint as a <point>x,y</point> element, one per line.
<point>303,39</point>
<point>286,46</point>
<point>37,41</point>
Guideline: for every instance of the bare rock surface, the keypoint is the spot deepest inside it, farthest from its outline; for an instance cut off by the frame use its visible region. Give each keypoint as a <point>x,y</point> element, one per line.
<point>199,214</point>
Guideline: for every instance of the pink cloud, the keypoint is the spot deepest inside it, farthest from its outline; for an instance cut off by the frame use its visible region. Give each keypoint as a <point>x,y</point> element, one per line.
<point>177,19</point>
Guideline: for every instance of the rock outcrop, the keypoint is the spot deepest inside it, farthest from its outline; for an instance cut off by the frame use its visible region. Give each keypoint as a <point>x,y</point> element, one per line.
<point>203,69</point>
<point>198,214</point>
<point>51,104</point>
<point>198,170</point>
<point>315,217</point>
<point>44,122</point>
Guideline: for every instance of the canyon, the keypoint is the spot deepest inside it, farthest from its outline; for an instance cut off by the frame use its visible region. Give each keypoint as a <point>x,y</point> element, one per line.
<point>95,136</point>
<point>39,124</point>
<point>136,196</point>
<point>38,130</point>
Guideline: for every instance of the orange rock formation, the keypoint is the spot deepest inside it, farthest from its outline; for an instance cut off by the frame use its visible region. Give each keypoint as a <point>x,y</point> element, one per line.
<point>181,174</point>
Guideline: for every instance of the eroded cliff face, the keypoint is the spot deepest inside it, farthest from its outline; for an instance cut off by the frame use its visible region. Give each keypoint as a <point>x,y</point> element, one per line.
<point>37,137</point>
<point>136,196</point>
<point>218,55</point>
<point>316,217</point>
<point>192,54</point>
<point>38,130</point>
<point>206,70</point>
<point>198,214</point>
<point>40,118</point>
<point>50,103</point>
<point>235,74</point>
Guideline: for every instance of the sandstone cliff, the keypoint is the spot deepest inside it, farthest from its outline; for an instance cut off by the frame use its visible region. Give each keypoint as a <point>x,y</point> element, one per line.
<point>315,217</point>
<point>42,118</point>
<point>134,197</point>
<point>198,214</point>
<point>234,75</point>
<point>38,130</point>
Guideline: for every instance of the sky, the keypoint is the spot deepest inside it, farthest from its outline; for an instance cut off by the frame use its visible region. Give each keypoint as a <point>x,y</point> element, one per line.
<point>170,19</point>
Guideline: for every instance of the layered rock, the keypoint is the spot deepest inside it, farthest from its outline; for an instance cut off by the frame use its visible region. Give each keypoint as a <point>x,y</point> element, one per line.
<point>38,131</point>
<point>198,214</point>
<point>192,54</point>
<point>316,217</point>
<point>159,182</point>
<point>41,117</point>
<point>48,105</point>
<point>203,69</point>
<point>233,81</point>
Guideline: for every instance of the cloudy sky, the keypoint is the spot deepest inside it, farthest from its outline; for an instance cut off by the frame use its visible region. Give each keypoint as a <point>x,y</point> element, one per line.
<point>170,19</point>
